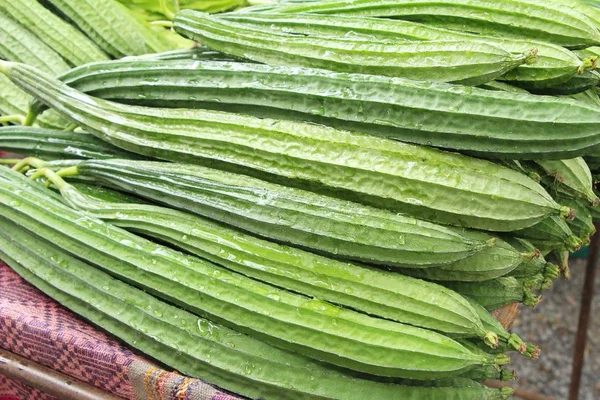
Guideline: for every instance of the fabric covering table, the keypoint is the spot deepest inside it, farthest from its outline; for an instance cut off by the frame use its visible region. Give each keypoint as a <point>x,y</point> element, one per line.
<point>34,326</point>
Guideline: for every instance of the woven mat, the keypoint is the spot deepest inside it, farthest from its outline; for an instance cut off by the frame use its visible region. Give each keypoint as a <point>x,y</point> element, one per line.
<point>36,327</point>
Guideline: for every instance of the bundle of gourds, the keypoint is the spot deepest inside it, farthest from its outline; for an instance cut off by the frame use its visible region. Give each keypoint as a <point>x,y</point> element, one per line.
<point>320,199</point>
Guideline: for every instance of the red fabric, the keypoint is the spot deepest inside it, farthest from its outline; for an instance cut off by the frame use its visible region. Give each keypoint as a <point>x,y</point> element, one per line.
<point>34,326</point>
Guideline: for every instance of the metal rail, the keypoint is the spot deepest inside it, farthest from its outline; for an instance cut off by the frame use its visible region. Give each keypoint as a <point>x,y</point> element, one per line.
<point>47,380</point>
<point>584,315</point>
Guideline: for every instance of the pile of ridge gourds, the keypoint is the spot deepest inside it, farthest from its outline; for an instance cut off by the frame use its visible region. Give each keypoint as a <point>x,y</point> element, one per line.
<point>302,199</point>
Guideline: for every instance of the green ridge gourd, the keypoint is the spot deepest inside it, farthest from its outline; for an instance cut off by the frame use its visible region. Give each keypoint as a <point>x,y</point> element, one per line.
<point>534,19</point>
<point>14,101</point>
<point>554,65</point>
<point>536,266</point>
<point>195,53</point>
<point>464,62</point>
<point>507,340</point>
<point>308,326</point>
<point>59,35</point>
<point>492,262</point>
<point>54,144</point>
<point>375,292</point>
<point>582,225</point>
<point>549,234</point>
<point>497,292</point>
<point>422,182</point>
<point>573,177</point>
<point>192,345</point>
<point>577,84</point>
<point>20,45</point>
<point>337,228</point>
<point>435,114</point>
<point>110,26</point>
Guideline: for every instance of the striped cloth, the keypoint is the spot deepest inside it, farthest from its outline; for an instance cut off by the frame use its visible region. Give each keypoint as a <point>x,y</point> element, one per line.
<point>36,327</point>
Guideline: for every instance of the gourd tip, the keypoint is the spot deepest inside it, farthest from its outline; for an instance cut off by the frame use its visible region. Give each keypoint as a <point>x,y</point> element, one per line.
<point>506,392</point>
<point>531,56</point>
<point>491,339</point>
<point>502,359</point>
<point>507,376</point>
<point>567,212</point>
<point>588,63</point>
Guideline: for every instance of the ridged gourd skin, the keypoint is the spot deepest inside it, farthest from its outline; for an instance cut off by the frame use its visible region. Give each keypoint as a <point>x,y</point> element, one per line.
<point>535,19</point>
<point>485,122</point>
<point>487,374</point>
<point>589,97</point>
<point>107,24</point>
<point>592,51</point>
<point>463,62</point>
<point>54,144</point>
<point>418,181</point>
<point>584,7</point>
<point>535,266</point>
<point>66,40</point>
<point>577,84</point>
<point>495,293</point>
<point>192,345</point>
<point>195,53</point>
<point>582,225</point>
<point>507,340</point>
<point>489,263</point>
<point>20,45</point>
<point>421,182</point>
<point>14,101</point>
<point>554,64</point>
<point>571,177</point>
<point>338,228</point>
<point>156,41</point>
<point>375,292</point>
<point>549,234</point>
<point>297,323</point>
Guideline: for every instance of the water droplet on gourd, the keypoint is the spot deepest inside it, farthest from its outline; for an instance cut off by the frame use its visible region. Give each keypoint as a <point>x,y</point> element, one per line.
<point>248,368</point>
<point>274,296</point>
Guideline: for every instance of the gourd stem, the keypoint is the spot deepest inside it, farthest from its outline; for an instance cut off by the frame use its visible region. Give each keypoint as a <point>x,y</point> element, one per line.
<point>9,161</point>
<point>71,127</point>
<point>165,10</point>
<point>26,162</point>
<point>176,6</point>
<point>166,24</point>
<point>30,118</point>
<point>70,171</point>
<point>51,178</point>
<point>13,118</point>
